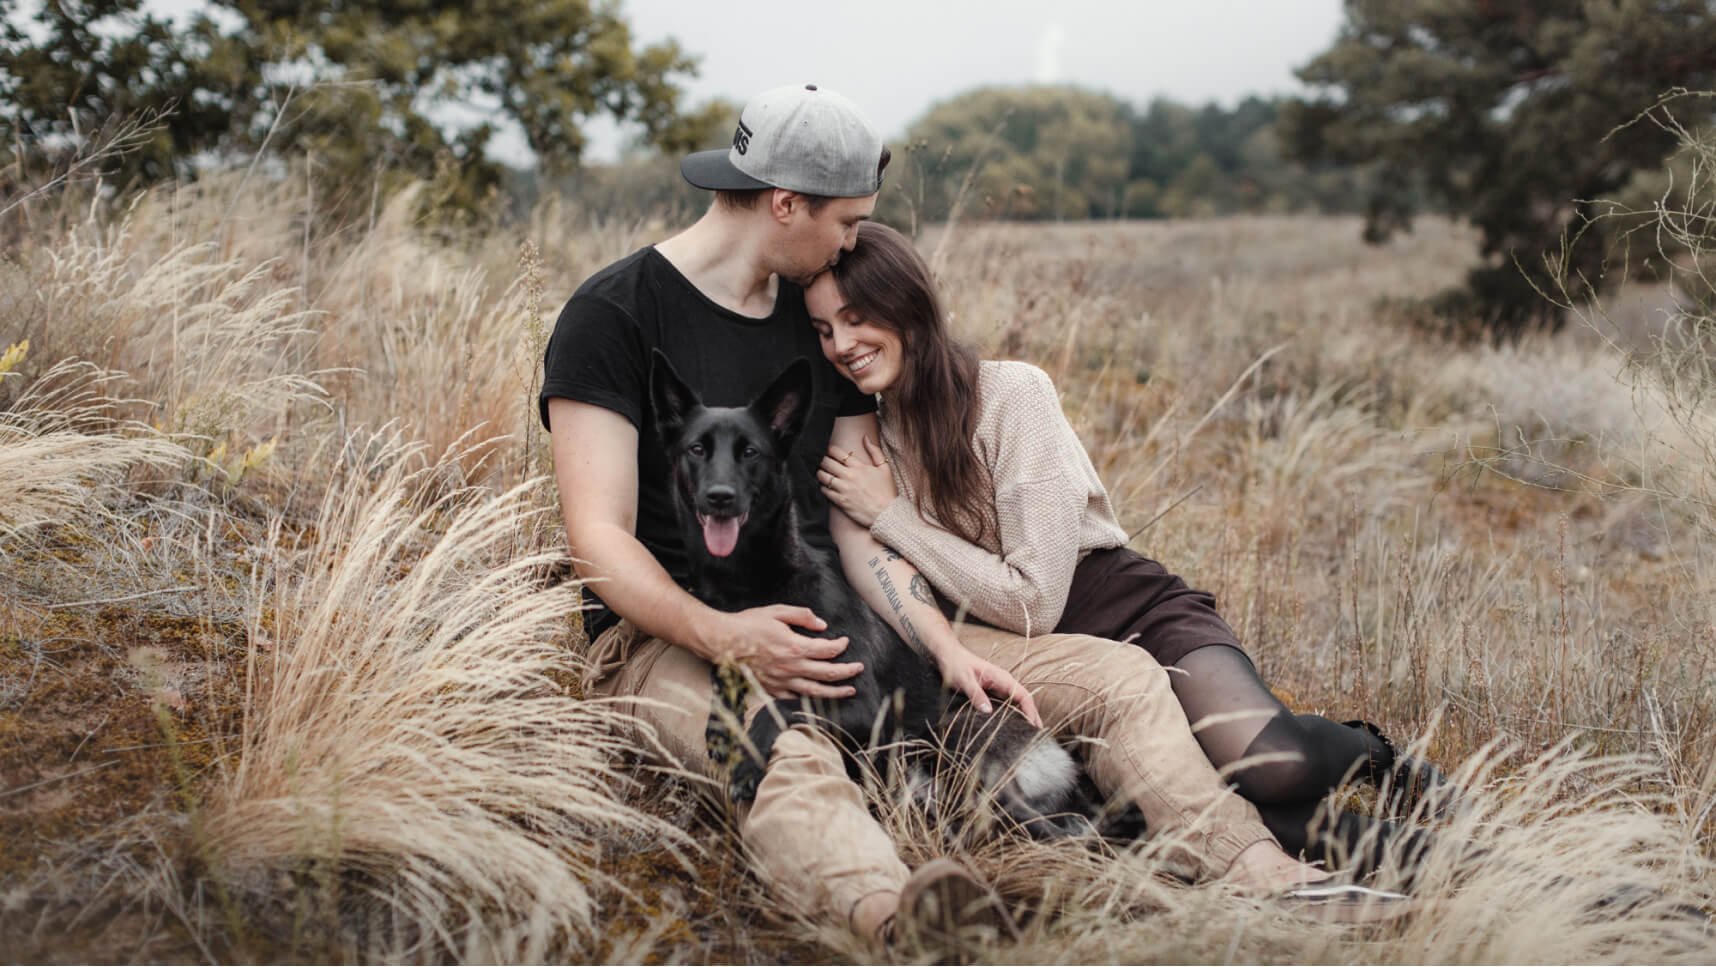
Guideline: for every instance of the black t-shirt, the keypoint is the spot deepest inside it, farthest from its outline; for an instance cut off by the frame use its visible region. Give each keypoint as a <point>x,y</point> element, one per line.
<point>600,353</point>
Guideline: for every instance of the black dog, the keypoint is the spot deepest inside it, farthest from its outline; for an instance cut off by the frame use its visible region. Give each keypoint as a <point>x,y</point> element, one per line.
<point>733,489</point>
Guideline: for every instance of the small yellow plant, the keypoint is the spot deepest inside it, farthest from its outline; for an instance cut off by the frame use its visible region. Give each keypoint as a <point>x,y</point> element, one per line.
<point>14,355</point>
<point>236,465</point>
<point>249,460</point>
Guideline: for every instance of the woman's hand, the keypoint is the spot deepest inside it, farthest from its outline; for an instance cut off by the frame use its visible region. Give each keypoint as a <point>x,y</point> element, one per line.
<point>979,679</point>
<point>861,484</point>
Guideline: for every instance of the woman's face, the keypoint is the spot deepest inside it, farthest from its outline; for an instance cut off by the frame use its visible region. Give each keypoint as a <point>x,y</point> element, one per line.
<point>871,355</point>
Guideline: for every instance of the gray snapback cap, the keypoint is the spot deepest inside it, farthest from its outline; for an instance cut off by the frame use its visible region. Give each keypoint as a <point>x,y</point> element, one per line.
<point>800,138</point>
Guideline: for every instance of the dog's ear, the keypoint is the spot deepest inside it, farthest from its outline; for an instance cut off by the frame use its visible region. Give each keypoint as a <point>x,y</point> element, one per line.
<point>782,406</point>
<point>669,397</point>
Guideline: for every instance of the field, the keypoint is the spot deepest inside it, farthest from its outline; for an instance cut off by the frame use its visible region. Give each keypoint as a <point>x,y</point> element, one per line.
<point>288,667</point>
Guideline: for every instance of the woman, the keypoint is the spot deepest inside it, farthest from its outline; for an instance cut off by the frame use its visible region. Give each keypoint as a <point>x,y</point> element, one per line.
<point>980,483</point>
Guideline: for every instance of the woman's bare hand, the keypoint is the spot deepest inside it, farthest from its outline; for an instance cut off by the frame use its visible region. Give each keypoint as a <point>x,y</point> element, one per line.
<point>860,484</point>
<point>979,679</point>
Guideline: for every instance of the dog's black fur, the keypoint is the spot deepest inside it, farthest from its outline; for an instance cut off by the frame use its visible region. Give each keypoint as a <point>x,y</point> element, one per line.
<point>730,471</point>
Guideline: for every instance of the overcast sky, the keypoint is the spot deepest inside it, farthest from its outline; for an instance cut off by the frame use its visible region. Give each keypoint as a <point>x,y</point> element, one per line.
<point>897,57</point>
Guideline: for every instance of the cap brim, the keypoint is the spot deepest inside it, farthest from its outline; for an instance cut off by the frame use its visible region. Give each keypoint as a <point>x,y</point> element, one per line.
<point>711,170</point>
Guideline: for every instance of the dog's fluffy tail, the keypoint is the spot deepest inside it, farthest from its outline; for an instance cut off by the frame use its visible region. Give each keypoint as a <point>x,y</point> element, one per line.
<point>1018,766</point>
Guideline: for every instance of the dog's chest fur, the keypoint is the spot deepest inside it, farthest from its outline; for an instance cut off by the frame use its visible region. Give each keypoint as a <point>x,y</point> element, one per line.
<point>773,564</point>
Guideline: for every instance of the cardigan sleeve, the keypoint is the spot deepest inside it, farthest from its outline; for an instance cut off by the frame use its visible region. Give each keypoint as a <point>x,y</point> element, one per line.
<point>1039,503</point>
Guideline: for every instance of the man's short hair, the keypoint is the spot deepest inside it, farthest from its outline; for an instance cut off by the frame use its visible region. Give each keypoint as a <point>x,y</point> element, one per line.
<point>746,200</point>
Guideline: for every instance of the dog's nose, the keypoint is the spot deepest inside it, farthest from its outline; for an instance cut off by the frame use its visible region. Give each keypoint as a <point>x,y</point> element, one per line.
<point>719,497</point>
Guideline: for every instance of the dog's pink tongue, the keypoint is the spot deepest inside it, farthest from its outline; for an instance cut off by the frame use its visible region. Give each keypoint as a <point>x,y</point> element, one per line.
<point>721,534</point>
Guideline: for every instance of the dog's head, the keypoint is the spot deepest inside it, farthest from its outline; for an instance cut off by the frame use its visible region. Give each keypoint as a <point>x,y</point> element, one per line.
<point>729,463</point>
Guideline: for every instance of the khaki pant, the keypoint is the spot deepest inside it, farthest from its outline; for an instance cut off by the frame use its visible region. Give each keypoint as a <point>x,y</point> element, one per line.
<point>808,831</point>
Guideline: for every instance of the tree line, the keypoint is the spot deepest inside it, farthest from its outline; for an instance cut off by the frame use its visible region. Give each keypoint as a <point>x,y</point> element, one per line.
<point>1521,117</point>
<point>1041,153</point>
<point>1059,152</point>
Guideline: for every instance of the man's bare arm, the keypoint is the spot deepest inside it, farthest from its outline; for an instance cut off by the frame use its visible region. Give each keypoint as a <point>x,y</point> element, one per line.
<point>595,467</point>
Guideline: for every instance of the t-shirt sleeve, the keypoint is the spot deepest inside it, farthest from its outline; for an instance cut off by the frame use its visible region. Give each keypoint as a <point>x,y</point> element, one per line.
<point>853,401</point>
<point>596,355</point>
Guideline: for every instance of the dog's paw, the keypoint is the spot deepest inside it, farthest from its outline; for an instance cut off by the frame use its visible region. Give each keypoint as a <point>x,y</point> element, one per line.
<point>730,690</point>
<point>746,776</point>
<point>720,742</point>
<point>732,687</point>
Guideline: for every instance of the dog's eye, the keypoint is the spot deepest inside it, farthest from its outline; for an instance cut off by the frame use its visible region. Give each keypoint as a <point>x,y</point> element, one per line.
<point>696,450</point>
<point>749,452</point>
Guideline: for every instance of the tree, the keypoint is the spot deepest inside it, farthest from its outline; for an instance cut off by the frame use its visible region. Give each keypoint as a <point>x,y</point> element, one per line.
<point>1164,140</point>
<point>1018,152</point>
<point>409,86</point>
<point>1199,190</point>
<point>642,183</point>
<point>1513,115</point>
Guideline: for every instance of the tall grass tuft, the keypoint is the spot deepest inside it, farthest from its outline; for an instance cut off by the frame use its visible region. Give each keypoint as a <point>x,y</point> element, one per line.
<point>63,452</point>
<point>411,757</point>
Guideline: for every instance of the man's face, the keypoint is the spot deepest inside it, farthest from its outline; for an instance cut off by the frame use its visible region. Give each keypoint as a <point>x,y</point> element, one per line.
<point>815,241</point>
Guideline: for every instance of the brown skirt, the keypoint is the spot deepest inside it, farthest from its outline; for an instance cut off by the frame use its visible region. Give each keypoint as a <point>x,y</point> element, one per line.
<point>1118,593</point>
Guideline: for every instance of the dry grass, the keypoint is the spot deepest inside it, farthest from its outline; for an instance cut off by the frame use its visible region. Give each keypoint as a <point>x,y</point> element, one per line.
<point>336,597</point>
<point>409,735</point>
<point>63,451</point>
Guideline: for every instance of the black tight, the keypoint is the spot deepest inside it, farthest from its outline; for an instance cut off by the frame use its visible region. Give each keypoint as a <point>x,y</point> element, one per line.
<point>1283,763</point>
<point>1237,719</point>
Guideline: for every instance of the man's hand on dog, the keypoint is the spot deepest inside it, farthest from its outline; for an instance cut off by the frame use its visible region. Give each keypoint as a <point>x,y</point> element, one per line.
<point>785,662</point>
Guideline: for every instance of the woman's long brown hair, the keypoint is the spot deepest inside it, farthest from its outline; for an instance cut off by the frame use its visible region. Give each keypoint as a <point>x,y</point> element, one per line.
<point>934,402</point>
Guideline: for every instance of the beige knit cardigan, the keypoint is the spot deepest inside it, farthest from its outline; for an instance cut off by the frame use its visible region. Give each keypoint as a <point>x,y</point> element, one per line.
<point>1050,507</point>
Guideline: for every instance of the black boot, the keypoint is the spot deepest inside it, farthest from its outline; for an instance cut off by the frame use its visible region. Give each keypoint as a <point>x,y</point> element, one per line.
<point>1408,780</point>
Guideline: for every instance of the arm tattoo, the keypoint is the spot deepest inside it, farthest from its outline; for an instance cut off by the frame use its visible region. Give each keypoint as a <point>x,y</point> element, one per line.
<point>892,593</point>
<point>911,634</point>
<point>920,589</point>
<point>892,554</point>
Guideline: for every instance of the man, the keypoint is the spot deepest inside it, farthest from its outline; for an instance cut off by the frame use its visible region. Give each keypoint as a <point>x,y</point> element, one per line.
<point>723,300</point>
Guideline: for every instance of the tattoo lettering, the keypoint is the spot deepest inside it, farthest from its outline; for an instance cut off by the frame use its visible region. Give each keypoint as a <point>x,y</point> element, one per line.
<point>920,589</point>
<point>892,593</point>
<point>886,580</point>
<point>892,554</point>
<point>911,633</point>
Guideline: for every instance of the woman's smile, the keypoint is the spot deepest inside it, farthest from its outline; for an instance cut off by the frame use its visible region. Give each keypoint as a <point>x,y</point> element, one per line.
<point>856,366</point>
